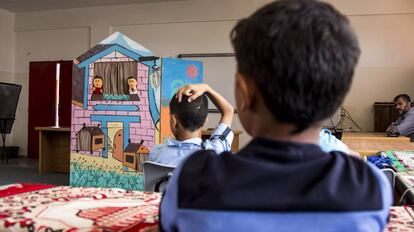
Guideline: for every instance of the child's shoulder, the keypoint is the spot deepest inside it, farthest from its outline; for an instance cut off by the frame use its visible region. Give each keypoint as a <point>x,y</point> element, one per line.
<point>357,172</point>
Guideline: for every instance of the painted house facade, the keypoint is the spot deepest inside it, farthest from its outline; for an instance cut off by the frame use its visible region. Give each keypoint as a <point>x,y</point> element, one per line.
<point>119,97</point>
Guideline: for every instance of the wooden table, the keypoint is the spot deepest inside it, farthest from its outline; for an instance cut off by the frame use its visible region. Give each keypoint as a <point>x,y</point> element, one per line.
<point>54,149</point>
<point>371,143</point>
<point>378,136</point>
<point>205,134</point>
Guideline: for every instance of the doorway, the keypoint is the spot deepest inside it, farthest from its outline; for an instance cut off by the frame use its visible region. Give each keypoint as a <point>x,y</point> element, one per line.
<point>42,79</point>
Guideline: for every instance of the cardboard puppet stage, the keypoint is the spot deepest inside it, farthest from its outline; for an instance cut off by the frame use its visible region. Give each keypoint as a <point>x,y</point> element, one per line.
<point>120,110</point>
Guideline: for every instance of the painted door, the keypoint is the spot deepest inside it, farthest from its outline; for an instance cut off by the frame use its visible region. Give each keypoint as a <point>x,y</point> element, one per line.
<point>119,145</point>
<point>42,79</point>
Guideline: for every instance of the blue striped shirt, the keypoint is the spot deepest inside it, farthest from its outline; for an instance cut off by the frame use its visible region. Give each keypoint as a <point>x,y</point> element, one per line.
<point>174,152</point>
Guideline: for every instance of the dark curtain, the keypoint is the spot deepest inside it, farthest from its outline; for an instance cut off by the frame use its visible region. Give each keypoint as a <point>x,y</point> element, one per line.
<point>115,75</point>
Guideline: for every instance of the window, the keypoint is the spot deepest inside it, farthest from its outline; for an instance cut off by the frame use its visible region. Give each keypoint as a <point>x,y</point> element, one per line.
<point>115,81</point>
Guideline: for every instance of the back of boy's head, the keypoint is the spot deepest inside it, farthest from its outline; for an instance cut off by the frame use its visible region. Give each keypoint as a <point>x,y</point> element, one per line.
<point>191,115</point>
<point>301,54</point>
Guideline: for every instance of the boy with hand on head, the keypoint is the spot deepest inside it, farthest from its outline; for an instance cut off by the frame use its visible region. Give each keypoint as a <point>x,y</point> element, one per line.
<point>188,114</point>
<point>296,60</point>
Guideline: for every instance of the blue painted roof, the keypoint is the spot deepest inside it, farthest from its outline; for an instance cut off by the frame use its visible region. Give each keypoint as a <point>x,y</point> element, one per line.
<point>124,41</point>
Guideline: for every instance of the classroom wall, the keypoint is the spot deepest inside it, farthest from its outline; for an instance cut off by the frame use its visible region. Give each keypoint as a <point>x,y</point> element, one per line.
<point>384,27</point>
<point>7,52</point>
<point>386,66</point>
<point>6,46</point>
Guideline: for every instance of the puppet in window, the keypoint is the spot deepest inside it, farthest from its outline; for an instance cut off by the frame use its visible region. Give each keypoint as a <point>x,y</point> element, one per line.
<point>97,86</point>
<point>132,84</point>
<point>132,88</point>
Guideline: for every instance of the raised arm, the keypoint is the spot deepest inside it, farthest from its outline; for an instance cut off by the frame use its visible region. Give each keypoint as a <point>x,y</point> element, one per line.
<point>195,90</point>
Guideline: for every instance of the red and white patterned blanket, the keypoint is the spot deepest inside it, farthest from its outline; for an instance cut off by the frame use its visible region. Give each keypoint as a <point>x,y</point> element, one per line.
<point>73,209</point>
<point>11,189</point>
<point>401,219</point>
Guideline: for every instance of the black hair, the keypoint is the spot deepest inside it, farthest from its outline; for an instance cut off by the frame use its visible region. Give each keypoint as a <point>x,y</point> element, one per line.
<point>301,54</point>
<point>97,77</point>
<point>131,77</point>
<point>191,115</point>
<point>404,97</point>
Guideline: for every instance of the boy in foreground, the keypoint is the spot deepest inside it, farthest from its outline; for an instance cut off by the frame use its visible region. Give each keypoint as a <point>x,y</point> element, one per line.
<point>296,60</point>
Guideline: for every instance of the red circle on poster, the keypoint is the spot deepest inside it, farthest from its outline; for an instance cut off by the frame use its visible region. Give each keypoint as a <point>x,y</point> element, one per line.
<point>192,71</point>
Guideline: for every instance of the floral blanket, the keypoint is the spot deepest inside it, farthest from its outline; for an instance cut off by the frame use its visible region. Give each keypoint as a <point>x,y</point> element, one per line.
<point>73,209</point>
<point>11,189</point>
<point>401,219</point>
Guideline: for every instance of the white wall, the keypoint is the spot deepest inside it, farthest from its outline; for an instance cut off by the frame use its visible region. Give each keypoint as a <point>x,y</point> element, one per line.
<point>6,46</point>
<point>42,45</point>
<point>385,29</point>
<point>386,66</point>
<point>7,38</point>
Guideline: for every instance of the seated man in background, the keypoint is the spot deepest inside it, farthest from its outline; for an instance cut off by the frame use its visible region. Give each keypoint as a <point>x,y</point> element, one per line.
<point>404,125</point>
<point>295,64</point>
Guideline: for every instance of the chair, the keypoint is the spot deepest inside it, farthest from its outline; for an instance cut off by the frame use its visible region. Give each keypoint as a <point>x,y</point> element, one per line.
<point>390,175</point>
<point>156,176</point>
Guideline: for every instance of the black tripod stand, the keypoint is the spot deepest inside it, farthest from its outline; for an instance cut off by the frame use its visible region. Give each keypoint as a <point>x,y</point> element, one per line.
<point>5,128</point>
<point>9,95</point>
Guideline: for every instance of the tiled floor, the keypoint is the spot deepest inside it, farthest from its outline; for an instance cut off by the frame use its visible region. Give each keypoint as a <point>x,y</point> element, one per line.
<point>23,170</point>
<point>20,162</point>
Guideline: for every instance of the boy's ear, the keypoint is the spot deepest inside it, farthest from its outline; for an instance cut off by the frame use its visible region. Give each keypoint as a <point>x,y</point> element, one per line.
<point>245,91</point>
<point>174,121</point>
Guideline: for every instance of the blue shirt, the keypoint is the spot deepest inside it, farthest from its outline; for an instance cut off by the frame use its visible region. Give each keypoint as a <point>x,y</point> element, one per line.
<point>276,186</point>
<point>174,152</point>
<point>328,142</point>
<point>404,124</point>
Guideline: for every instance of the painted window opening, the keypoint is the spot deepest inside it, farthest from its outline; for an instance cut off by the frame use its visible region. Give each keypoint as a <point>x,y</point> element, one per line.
<point>115,81</point>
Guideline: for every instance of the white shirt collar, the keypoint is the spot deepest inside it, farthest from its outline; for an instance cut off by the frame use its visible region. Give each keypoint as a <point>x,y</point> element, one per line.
<point>196,141</point>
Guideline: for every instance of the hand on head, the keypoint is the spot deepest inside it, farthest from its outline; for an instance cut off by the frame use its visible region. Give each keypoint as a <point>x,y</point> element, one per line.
<point>192,91</point>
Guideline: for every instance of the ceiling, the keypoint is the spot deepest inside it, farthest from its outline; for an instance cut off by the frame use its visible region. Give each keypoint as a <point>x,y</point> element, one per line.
<point>17,6</point>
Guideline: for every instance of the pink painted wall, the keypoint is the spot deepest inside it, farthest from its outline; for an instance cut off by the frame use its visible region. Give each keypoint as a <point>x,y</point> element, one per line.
<point>145,130</point>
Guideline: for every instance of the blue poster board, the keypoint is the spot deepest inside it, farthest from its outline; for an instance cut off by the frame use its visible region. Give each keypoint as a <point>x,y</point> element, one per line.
<point>177,73</point>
